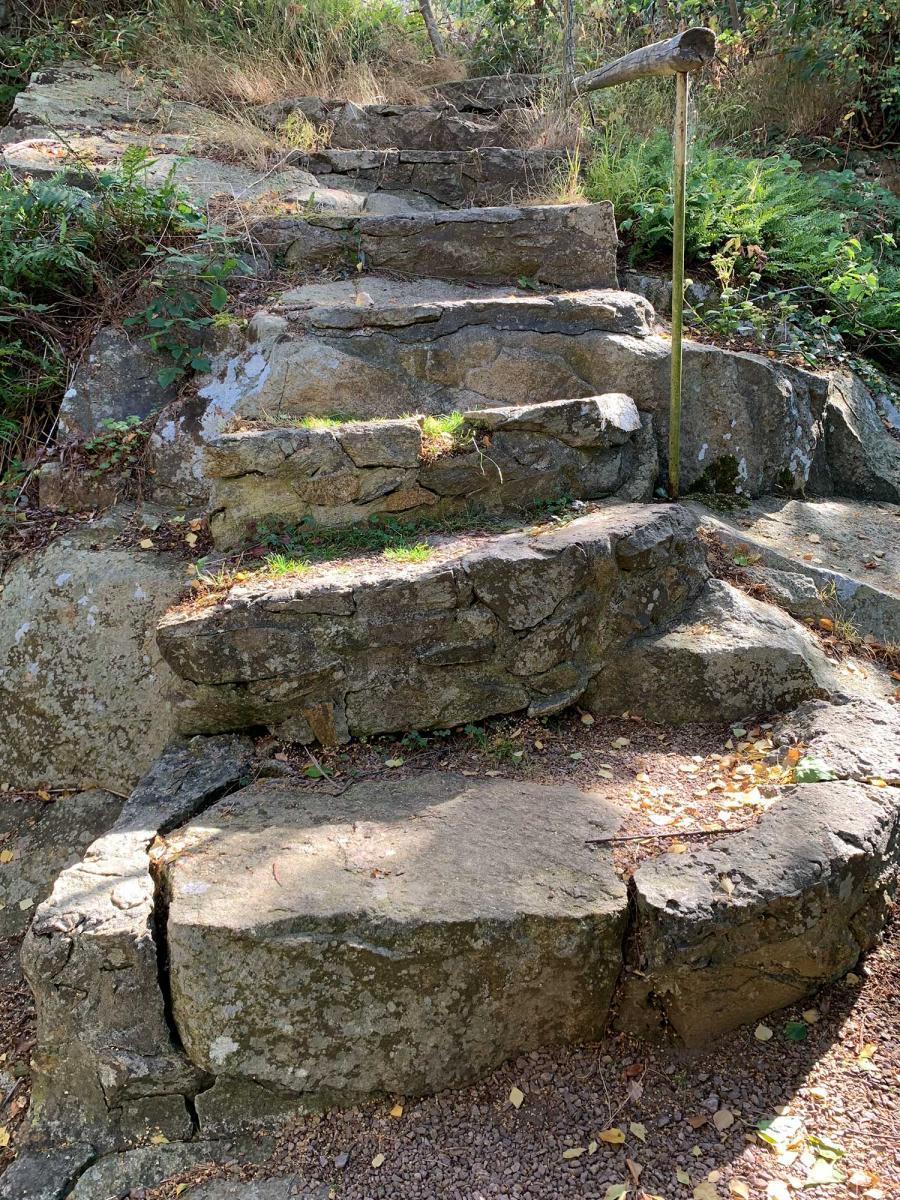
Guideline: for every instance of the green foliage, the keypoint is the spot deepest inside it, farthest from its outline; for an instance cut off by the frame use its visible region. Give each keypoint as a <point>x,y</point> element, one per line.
<point>68,254</point>
<point>117,446</point>
<point>782,242</point>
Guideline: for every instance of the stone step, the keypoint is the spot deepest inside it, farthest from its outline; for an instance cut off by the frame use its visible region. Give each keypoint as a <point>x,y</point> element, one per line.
<point>483,626</point>
<point>491,93</point>
<point>446,178</point>
<point>300,359</point>
<point>829,558</point>
<point>728,657</point>
<point>349,126</point>
<point>564,245</point>
<point>413,936</point>
<point>497,461</point>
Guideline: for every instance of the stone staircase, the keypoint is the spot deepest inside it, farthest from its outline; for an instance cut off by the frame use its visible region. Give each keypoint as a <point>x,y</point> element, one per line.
<point>240,944</point>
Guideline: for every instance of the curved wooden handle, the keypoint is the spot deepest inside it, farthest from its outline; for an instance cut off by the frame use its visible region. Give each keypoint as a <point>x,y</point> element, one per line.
<point>687,51</point>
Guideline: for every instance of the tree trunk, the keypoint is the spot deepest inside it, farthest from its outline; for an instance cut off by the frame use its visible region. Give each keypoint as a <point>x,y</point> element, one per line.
<point>735,14</point>
<point>568,63</point>
<point>434,34</point>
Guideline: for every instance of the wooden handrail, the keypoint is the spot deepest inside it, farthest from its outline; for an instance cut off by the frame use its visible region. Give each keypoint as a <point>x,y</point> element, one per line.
<point>687,51</point>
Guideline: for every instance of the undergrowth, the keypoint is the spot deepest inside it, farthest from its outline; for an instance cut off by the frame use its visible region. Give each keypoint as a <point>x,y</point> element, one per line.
<point>786,247</point>
<point>71,259</point>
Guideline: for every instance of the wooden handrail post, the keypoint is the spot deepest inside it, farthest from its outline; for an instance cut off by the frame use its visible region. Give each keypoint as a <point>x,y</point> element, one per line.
<point>679,142</point>
<point>678,55</point>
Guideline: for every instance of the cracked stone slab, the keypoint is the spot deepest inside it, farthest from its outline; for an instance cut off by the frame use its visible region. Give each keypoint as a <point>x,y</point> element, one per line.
<point>145,1167</point>
<point>728,657</point>
<point>523,621</point>
<point>105,1067</point>
<point>291,1187</point>
<point>563,245</point>
<point>504,461</point>
<point>410,936</point>
<point>808,892</point>
<point>859,739</point>
<point>831,557</point>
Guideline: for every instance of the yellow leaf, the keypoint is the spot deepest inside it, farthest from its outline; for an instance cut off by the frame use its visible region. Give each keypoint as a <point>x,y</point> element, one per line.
<point>159,1139</point>
<point>762,1033</point>
<point>26,904</point>
<point>377,1161</point>
<point>777,1189</point>
<point>397,1111</point>
<point>4,1136</point>
<point>516,1096</point>
<point>738,1188</point>
<point>696,1151</point>
<point>726,884</point>
<point>6,856</point>
<point>706,1191</point>
<point>592,1147</point>
<point>811,1015</point>
<point>179,1188</point>
<point>573,1152</point>
<point>862,1179</point>
<point>639,1130</point>
<point>868,1050</point>
<point>819,1093</point>
<point>146,543</point>
<point>616,1191</point>
<point>587,719</point>
<point>614,1136</point>
<point>191,539</point>
<point>851,979</point>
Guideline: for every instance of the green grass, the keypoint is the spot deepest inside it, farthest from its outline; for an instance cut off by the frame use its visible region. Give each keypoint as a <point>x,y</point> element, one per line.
<point>816,248</point>
<point>285,564</point>
<point>412,553</point>
<point>446,425</point>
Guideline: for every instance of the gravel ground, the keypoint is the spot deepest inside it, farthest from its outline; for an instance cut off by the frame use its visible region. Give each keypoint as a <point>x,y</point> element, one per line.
<point>689,1122</point>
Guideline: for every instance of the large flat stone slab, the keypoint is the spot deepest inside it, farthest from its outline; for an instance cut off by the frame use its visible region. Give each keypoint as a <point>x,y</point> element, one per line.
<point>502,461</point>
<point>856,739</point>
<point>105,1069</point>
<point>807,893</point>
<point>491,93</point>
<point>402,937</point>
<point>523,621</point>
<point>565,245</point>
<point>832,558</point>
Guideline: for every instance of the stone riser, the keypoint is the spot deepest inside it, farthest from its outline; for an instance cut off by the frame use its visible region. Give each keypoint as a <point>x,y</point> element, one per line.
<point>520,624</point>
<point>454,179</point>
<point>566,246</point>
<point>505,461</point>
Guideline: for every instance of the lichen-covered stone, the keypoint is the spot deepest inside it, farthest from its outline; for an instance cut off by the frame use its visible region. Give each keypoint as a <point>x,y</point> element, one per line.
<point>105,1067</point>
<point>864,460</point>
<point>504,460</point>
<point>728,657</point>
<point>44,1174</point>
<point>117,379</point>
<point>523,622</point>
<point>856,739</point>
<point>402,937</point>
<point>806,894</point>
<point>80,676</point>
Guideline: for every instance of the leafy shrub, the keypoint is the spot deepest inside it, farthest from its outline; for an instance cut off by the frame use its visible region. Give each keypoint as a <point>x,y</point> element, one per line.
<point>822,241</point>
<point>68,256</point>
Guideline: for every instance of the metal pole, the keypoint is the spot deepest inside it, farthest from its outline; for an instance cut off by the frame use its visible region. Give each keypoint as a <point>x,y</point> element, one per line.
<point>680,160</point>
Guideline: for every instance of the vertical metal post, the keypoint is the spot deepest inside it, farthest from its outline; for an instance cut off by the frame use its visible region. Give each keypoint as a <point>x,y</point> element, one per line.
<point>680,166</point>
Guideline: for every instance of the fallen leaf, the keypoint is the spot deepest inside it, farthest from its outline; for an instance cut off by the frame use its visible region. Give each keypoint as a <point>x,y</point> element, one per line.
<point>851,979</point>
<point>777,1189</point>
<point>867,1051</point>
<point>698,1121</point>
<point>516,1096</point>
<point>811,1015</point>
<point>377,1161</point>
<point>614,1136</point>
<point>861,1179</point>
<point>573,1152</point>
<point>191,539</point>
<point>819,1093</point>
<point>706,1191</point>
<point>726,884</point>
<point>616,1191</point>
<point>4,1136</point>
<point>823,1173</point>
<point>592,1147</point>
<point>696,1151</point>
<point>634,1169</point>
<point>394,762</point>
<point>6,856</point>
<point>737,1187</point>
<point>762,1033</point>
<point>397,1111</point>
<point>723,1119</point>
<point>825,1147</point>
<point>638,1130</point>
<point>587,719</point>
<point>146,544</point>
<point>683,1177</point>
<point>796,1031</point>
<point>620,743</point>
<point>26,904</point>
<point>159,1139</point>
